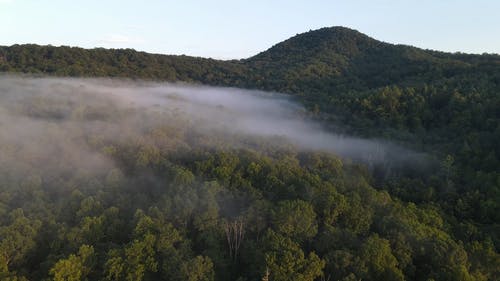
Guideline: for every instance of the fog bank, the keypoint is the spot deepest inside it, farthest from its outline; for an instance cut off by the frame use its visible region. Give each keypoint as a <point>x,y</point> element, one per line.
<point>49,123</point>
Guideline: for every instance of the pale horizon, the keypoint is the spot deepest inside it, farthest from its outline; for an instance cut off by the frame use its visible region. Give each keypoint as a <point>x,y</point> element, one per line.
<point>231,30</point>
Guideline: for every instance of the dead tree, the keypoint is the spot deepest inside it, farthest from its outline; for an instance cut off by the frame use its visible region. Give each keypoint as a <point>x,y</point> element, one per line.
<point>325,278</point>
<point>266,275</point>
<point>234,234</point>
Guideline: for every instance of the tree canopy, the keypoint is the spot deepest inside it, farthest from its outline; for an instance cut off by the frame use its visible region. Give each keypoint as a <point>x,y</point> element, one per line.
<point>181,204</point>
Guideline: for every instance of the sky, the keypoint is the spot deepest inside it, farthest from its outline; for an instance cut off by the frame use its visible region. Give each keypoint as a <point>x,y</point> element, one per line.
<point>234,29</point>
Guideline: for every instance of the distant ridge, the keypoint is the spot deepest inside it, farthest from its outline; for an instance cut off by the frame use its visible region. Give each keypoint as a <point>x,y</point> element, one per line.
<point>342,40</point>
<point>321,61</point>
<point>445,103</point>
<point>339,53</point>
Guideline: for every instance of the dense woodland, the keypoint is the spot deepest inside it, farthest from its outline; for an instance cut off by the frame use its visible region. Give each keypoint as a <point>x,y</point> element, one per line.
<point>181,204</point>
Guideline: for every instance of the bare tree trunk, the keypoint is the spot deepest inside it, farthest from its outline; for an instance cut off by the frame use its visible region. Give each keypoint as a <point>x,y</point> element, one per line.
<point>234,235</point>
<point>266,275</point>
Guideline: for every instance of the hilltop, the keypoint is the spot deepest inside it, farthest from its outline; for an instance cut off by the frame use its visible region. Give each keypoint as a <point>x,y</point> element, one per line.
<point>325,57</point>
<point>434,101</point>
<point>95,187</point>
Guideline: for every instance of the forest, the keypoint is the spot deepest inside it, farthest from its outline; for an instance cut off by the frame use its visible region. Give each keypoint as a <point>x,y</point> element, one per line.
<point>100,180</point>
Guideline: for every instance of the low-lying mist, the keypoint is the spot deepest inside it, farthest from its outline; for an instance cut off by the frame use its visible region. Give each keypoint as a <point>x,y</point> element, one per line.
<point>53,125</point>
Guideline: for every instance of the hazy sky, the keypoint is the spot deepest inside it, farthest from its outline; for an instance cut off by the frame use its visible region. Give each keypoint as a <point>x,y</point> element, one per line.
<point>238,29</point>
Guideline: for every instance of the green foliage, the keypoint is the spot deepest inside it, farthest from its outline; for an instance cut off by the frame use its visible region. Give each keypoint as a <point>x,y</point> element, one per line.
<point>75,267</point>
<point>380,262</point>
<point>173,227</point>
<point>159,213</point>
<point>198,269</point>
<point>295,219</point>
<point>136,260</point>
<point>285,260</point>
<point>17,239</point>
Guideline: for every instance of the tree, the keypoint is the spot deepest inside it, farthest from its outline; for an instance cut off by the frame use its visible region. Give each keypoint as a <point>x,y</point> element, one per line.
<point>381,263</point>
<point>75,267</point>
<point>198,269</point>
<point>17,239</point>
<point>131,264</point>
<point>329,204</point>
<point>234,235</point>
<point>295,219</point>
<point>285,260</point>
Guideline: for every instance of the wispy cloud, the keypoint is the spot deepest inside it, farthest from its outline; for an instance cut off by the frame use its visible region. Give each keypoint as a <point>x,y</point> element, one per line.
<point>43,121</point>
<point>114,39</point>
<point>134,27</point>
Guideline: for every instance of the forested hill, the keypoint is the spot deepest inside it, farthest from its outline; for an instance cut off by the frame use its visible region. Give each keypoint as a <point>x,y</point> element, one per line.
<point>320,67</point>
<point>73,61</point>
<point>323,60</point>
<point>339,58</point>
<point>307,215</point>
<point>431,100</point>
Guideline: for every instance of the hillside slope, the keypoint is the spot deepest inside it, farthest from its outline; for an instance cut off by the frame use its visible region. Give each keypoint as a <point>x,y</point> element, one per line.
<point>444,103</point>
<point>170,197</point>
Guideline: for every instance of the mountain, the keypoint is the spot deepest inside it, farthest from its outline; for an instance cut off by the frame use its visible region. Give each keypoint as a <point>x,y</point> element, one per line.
<point>329,58</point>
<point>177,197</point>
<point>338,49</point>
<point>439,102</point>
<point>351,77</point>
<point>317,62</point>
<point>330,54</point>
<point>99,62</point>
